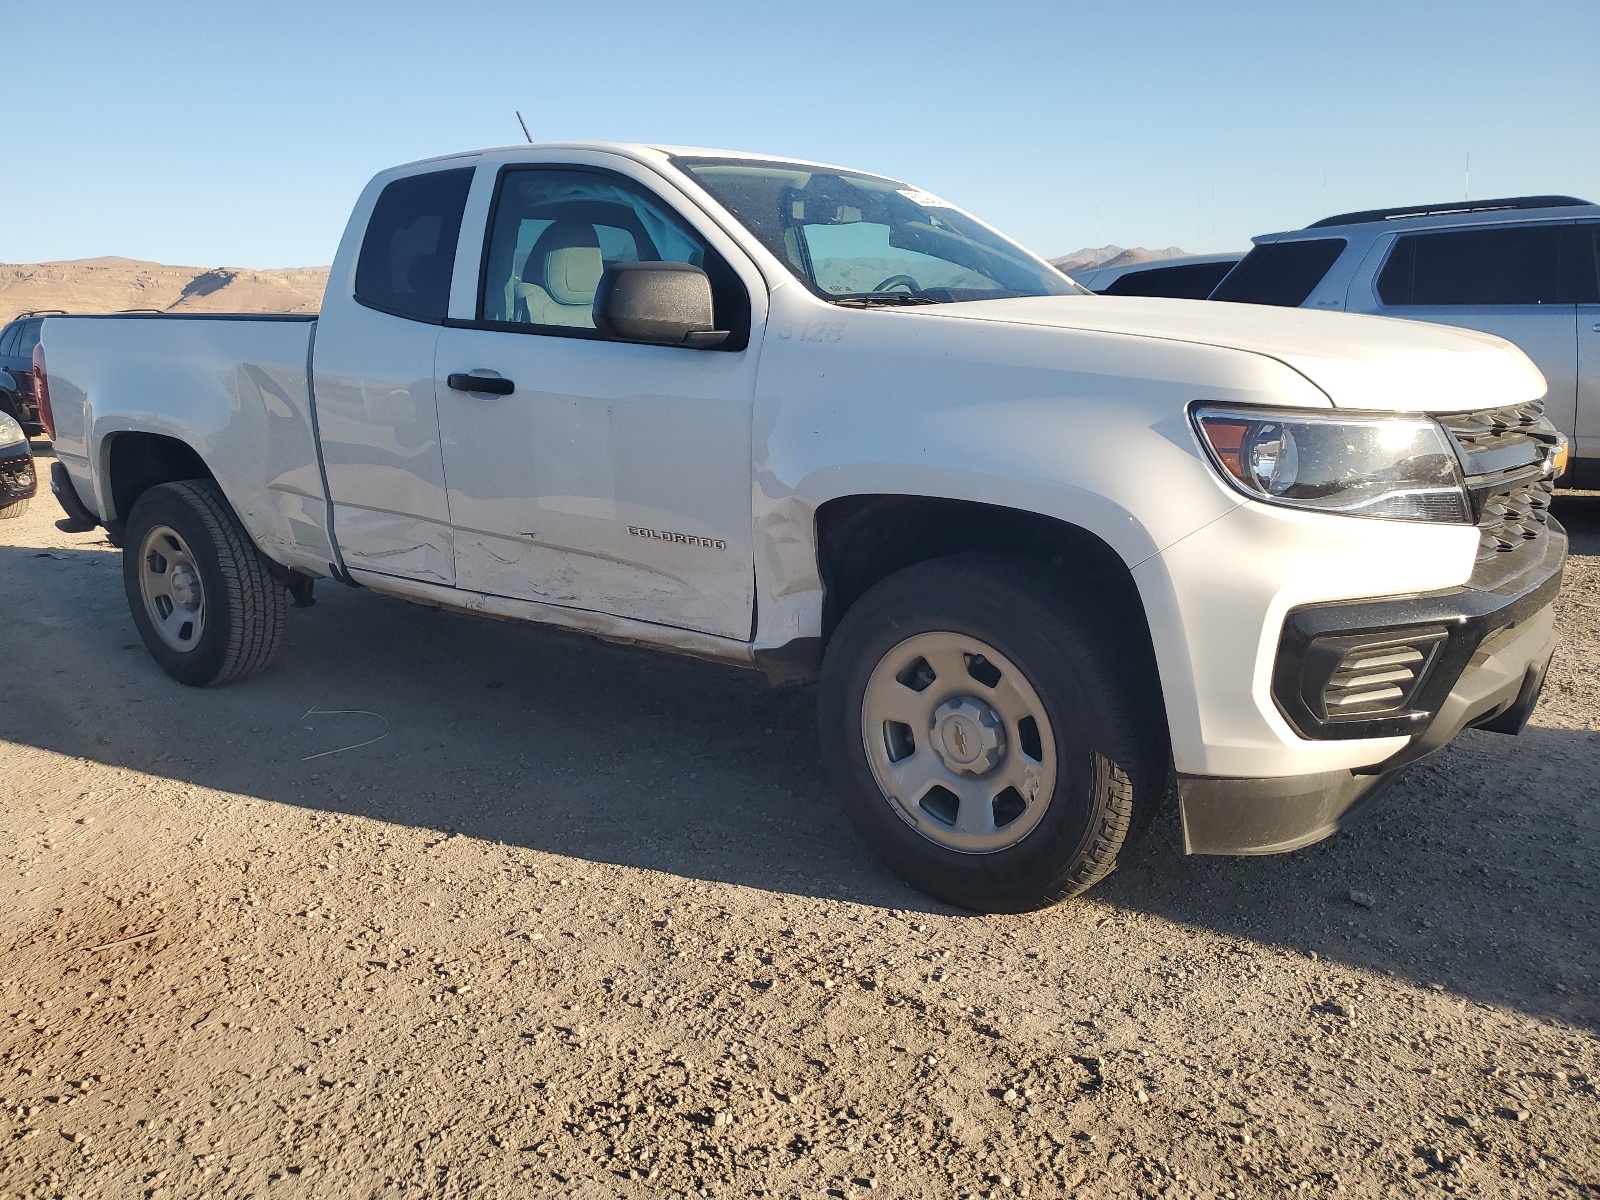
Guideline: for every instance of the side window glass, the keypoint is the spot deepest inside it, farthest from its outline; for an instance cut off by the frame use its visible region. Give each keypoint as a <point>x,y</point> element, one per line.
<point>1580,262</point>
<point>409,252</point>
<point>1280,273</point>
<point>1513,266</point>
<point>28,337</point>
<point>8,340</point>
<point>554,232</point>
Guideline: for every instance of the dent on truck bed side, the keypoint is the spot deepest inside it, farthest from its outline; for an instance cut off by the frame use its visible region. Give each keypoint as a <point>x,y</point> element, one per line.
<point>234,391</point>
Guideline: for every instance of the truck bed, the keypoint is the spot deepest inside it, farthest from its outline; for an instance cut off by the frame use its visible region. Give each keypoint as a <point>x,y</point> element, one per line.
<point>235,387</point>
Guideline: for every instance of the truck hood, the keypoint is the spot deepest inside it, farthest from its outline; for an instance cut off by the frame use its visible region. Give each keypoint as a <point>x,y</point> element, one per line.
<point>1357,361</point>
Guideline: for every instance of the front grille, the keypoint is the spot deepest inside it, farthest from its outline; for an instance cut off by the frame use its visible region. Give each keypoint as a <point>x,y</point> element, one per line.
<point>1503,452</point>
<point>1512,518</point>
<point>1493,424</point>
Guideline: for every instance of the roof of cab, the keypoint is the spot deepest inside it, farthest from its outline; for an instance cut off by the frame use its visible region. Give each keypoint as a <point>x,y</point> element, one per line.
<point>652,152</point>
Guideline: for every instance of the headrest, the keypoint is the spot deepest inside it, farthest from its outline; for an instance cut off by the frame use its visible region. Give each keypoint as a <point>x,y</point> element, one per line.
<point>572,273</point>
<point>566,262</point>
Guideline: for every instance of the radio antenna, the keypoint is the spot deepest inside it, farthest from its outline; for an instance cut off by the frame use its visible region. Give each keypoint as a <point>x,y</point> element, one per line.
<point>524,125</point>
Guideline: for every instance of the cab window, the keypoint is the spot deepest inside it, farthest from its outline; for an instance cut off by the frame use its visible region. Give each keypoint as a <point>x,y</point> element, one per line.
<point>409,251</point>
<point>555,230</point>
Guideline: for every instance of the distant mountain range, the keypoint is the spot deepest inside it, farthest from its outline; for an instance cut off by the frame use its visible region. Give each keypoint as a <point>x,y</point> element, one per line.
<point>1093,258</point>
<point>112,284</point>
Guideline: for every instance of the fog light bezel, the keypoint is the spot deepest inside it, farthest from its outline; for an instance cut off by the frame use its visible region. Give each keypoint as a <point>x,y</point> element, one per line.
<point>1315,642</point>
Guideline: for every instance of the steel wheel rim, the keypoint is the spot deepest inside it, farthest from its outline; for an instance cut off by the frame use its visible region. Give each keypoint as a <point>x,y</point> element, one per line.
<point>170,584</point>
<point>959,742</point>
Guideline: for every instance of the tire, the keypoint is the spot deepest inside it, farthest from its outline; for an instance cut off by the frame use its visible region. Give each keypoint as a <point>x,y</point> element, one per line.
<point>16,508</point>
<point>1007,642</point>
<point>201,594</point>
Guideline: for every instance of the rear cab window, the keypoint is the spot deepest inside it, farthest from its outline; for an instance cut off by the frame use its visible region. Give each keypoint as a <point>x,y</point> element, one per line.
<point>408,254</point>
<point>1523,266</point>
<point>1280,273</point>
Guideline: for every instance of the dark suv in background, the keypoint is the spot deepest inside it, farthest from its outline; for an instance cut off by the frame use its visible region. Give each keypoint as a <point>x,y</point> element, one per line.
<point>17,341</point>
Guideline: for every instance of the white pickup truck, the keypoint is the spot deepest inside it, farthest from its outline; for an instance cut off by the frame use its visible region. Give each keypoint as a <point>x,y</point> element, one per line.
<point>1047,552</point>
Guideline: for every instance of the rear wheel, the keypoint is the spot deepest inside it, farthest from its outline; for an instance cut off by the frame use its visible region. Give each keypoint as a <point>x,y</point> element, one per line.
<point>983,734</point>
<point>201,594</point>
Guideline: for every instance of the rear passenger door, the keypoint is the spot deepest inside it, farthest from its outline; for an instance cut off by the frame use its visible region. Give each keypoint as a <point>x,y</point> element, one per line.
<point>1516,281</point>
<point>373,371</point>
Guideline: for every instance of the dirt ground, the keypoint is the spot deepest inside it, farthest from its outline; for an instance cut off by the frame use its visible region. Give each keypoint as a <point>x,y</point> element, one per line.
<point>584,921</point>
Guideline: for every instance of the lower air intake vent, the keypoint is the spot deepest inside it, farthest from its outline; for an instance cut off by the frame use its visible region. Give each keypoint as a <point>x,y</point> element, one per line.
<point>1361,676</point>
<point>1372,681</point>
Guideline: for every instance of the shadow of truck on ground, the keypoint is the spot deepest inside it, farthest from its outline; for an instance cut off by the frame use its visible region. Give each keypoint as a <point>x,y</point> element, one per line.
<point>1480,864</point>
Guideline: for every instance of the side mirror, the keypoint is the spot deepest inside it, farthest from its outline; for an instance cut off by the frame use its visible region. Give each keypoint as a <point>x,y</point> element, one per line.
<point>8,382</point>
<point>663,303</point>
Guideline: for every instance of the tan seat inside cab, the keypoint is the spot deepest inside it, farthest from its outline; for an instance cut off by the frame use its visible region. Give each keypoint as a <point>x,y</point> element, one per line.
<point>561,275</point>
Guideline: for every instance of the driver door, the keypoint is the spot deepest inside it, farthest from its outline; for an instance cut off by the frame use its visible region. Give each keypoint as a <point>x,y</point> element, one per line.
<point>612,477</point>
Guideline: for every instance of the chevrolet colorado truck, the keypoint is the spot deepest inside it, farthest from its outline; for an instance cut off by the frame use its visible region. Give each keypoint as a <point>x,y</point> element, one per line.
<point>1049,555</point>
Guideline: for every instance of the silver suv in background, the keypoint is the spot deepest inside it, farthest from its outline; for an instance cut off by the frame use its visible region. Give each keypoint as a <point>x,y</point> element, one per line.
<point>1526,268</point>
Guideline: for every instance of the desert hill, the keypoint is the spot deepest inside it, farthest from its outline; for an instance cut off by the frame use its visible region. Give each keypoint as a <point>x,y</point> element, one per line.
<point>1093,258</point>
<point>110,284</point>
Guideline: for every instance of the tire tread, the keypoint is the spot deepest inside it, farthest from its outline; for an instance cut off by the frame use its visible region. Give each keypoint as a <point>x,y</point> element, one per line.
<point>1129,766</point>
<point>253,611</point>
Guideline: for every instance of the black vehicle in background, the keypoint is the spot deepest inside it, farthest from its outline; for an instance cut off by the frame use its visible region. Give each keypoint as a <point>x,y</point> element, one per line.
<point>1189,278</point>
<point>17,341</point>
<point>18,479</point>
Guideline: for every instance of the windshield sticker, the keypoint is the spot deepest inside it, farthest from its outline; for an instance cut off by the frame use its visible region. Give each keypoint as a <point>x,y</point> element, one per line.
<point>925,199</point>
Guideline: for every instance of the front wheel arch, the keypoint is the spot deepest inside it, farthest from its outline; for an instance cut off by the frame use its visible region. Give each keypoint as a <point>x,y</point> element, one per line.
<point>1111,754</point>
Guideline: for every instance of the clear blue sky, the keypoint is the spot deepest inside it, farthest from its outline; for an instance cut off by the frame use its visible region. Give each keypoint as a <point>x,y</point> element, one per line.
<point>237,134</point>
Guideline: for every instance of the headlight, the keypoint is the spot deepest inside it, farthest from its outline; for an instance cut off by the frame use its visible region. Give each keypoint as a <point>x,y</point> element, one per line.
<point>10,432</point>
<point>1362,465</point>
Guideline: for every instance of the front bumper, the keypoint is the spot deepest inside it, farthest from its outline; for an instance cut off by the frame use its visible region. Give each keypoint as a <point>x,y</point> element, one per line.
<point>1487,673</point>
<point>18,479</point>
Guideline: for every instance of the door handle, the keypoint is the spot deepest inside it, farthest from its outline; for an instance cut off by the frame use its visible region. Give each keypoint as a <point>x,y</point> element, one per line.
<point>494,385</point>
<point>1596,328</point>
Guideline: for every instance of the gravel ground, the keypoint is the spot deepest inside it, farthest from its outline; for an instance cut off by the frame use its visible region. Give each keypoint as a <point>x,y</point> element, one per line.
<point>585,922</point>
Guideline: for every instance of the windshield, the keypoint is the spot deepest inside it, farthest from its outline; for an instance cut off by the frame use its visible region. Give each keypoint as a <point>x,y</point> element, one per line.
<point>861,239</point>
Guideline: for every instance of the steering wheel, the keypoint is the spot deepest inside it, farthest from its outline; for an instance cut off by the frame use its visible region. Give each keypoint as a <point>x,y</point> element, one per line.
<point>899,281</point>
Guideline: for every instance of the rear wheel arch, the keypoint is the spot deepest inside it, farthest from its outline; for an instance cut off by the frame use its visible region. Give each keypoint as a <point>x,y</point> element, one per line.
<point>136,461</point>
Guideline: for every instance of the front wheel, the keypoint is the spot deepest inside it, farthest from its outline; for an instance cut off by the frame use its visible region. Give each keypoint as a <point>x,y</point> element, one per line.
<point>201,594</point>
<point>982,736</point>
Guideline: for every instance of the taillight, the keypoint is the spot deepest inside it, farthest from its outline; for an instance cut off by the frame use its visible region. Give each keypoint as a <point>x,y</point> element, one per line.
<point>41,392</point>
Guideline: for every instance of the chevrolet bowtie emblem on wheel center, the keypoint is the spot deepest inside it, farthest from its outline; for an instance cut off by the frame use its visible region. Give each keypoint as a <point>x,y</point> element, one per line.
<point>968,735</point>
